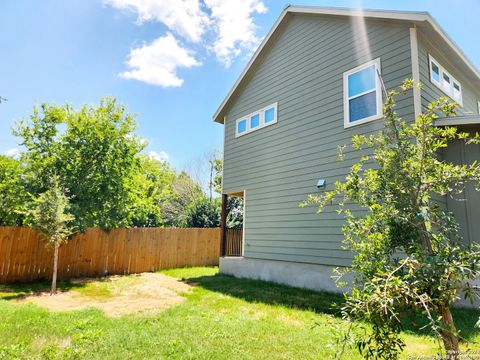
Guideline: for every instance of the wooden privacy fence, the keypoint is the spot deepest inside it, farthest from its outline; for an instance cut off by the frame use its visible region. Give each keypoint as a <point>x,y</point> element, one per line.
<point>233,246</point>
<point>24,257</point>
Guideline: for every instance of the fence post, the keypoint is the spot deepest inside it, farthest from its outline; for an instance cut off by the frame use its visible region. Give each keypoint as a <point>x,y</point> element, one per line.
<point>223,225</point>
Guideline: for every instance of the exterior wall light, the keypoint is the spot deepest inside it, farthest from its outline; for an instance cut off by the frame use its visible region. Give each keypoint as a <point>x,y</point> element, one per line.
<point>321,183</point>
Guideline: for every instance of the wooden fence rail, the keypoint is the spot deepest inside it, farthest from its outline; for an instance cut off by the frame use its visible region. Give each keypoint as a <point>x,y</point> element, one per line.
<point>24,257</point>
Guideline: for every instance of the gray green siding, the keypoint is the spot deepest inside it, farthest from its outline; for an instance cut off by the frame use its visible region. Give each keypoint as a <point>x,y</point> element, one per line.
<point>278,166</point>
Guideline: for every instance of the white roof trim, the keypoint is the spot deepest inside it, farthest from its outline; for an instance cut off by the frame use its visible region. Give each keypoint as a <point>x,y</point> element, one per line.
<point>414,16</point>
<point>381,14</point>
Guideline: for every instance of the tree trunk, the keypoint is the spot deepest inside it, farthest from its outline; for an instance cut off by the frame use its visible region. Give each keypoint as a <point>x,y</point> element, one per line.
<point>449,332</point>
<point>53,291</point>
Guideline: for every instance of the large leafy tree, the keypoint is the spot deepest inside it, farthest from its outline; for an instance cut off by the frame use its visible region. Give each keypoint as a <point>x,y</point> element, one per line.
<point>94,151</point>
<point>150,188</point>
<point>14,198</point>
<point>184,191</point>
<point>51,217</point>
<point>409,257</point>
<point>203,213</point>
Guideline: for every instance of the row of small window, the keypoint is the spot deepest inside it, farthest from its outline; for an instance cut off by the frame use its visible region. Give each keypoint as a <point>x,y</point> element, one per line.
<point>446,82</point>
<point>257,120</point>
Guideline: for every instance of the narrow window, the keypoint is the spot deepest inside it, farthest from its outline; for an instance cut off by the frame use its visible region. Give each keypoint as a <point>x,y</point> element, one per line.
<point>269,115</point>
<point>457,92</point>
<point>435,72</point>
<point>254,121</point>
<point>363,100</point>
<point>241,126</point>
<point>446,83</point>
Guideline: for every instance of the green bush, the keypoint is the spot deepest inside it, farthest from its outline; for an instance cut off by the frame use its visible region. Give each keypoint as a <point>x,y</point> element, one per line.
<point>203,213</point>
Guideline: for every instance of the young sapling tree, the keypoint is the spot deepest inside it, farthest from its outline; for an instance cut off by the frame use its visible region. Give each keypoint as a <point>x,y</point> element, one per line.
<point>51,217</point>
<point>408,255</point>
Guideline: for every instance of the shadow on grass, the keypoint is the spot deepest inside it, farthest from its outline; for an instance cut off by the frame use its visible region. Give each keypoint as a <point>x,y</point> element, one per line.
<point>258,291</point>
<point>465,321</point>
<point>18,291</point>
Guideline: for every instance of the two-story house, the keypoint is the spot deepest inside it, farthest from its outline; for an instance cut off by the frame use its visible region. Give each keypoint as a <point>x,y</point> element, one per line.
<point>312,84</point>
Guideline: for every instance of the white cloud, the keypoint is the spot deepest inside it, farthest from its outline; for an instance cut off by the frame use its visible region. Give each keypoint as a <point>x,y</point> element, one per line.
<point>234,26</point>
<point>161,156</point>
<point>14,153</point>
<point>224,27</point>
<point>185,17</point>
<point>156,63</point>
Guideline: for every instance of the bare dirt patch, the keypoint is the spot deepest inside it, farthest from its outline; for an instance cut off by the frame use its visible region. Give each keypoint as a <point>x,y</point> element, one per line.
<point>117,295</point>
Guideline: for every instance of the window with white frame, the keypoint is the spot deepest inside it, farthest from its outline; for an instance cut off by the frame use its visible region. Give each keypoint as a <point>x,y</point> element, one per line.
<point>362,94</point>
<point>256,120</point>
<point>445,81</point>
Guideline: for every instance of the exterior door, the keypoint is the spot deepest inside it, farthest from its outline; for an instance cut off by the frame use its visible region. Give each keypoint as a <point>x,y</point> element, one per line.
<point>465,206</point>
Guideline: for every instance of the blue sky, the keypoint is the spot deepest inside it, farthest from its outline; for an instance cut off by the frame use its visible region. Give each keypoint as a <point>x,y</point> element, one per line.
<point>170,61</point>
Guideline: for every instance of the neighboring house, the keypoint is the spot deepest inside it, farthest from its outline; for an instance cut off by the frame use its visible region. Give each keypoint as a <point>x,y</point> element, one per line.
<point>313,84</point>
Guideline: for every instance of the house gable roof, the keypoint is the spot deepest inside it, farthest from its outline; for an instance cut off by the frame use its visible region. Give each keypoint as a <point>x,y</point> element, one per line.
<point>417,18</point>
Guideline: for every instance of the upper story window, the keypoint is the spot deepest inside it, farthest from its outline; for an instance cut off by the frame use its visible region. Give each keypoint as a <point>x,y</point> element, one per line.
<point>362,99</point>
<point>256,120</point>
<point>446,82</point>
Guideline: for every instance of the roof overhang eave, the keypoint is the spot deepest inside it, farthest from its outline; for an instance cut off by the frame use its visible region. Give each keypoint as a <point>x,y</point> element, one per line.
<point>458,120</point>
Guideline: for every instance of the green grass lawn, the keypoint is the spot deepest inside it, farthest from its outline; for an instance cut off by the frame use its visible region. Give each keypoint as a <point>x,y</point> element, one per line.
<point>222,318</point>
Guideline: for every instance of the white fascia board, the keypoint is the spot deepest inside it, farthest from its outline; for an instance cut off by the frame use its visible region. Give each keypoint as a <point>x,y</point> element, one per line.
<point>381,14</point>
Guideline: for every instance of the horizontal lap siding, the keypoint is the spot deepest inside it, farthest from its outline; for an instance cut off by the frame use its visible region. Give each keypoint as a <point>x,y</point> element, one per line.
<point>279,165</point>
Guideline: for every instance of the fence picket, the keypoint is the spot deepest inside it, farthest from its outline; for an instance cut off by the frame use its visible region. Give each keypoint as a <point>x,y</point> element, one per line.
<point>234,242</point>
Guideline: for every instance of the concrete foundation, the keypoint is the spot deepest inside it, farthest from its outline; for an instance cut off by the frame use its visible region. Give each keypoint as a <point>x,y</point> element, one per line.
<point>300,275</point>
<point>307,276</point>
